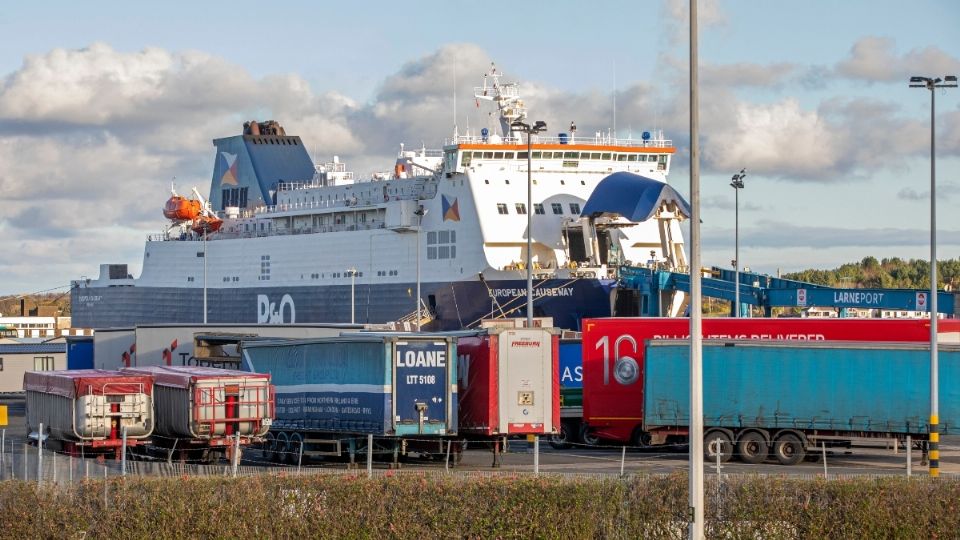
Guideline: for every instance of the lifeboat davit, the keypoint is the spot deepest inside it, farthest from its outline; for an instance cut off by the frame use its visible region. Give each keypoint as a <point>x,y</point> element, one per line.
<point>206,224</point>
<point>181,208</point>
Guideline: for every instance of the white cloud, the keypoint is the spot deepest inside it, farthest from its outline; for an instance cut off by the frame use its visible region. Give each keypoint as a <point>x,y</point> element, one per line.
<point>874,59</point>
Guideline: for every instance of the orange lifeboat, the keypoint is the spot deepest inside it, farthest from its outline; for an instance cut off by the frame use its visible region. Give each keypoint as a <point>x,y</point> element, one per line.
<point>181,208</point>
<point>208,224</point>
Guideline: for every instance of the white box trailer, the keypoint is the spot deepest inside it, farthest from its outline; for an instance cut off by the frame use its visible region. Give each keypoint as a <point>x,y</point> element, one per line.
<point>114,348</point>
<point>172,345</point>
<point>509,382</point>
<point>89,407</point>
<point>209,406</point>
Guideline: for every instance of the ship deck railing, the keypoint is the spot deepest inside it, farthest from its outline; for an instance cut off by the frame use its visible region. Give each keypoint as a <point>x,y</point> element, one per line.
<point>597,140</point>
<point>419,191</point>
<point>230,235</point>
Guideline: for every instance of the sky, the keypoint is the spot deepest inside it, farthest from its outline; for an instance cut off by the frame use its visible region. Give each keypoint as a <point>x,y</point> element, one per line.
<point>103,104</point>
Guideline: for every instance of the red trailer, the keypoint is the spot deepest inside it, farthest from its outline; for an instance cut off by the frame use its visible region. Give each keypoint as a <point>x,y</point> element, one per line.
<point>613,350</point>
<point>509,382</point>
<point>206,409</point>
<point>89,408</point>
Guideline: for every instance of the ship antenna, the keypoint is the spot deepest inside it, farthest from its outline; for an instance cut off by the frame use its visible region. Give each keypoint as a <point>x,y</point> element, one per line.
<point>454,99</point>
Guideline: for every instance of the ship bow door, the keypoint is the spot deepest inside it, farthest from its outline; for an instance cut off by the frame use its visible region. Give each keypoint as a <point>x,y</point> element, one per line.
<point>525,375</point>
<point>421,387</point>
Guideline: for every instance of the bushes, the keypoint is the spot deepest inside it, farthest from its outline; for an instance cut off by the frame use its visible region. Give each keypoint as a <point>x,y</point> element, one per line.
<point>465,506</point>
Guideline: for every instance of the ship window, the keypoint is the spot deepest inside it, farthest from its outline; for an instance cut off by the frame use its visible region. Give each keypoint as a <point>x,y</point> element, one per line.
<point>444,237</point>
<point>431,237</point>
<point>432,252</point>
<point>502,208</point>
<point>444,252</point>
<point>522,155</point>
<point>498,155</point>
<point>557,208</point>
<point>633,157</point>
<point>606,156</point>
<point>621,157</point>
<point>595,155</point>
<point>537,155</point>
<point>486,182</point>
<point>571,163</point>
<point>1,364</point>
<point>453,252</point>
<point>453,236</point>
<point>521,208</point>
<point>571,155</point>
<point>538,209</point>
<point>509,155</point>
<point>465,161</point>
<point>575,208</point>
<point>488,155</point>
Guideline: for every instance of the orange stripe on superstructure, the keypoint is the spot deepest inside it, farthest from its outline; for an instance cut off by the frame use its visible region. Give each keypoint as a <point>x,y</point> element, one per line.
<point>571,147</point>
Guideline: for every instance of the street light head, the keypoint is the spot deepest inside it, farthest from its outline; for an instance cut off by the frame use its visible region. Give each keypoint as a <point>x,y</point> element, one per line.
<point>540,125</point>
<point>919,79</point>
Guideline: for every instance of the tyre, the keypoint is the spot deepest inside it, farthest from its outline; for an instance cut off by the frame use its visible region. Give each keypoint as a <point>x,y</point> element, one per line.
<point>753,448</point>
<point>562,440</point>
<point>282,448</point>
<point>789,449</point>
<point>296,447</point>
<point>640,438</point>
<point>268,448</point>
<point>715,441</point>
<point>587,436</point>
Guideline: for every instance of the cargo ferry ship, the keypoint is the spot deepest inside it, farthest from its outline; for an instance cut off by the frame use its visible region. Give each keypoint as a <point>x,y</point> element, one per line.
<point>281,240</point>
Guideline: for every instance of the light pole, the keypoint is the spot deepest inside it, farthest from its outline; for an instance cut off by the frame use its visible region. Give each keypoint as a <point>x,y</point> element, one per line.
<point>737,184</point>
<point>523,127</point>
<point>949,81</point>
<point>353,280</point>
<point>420,212</point>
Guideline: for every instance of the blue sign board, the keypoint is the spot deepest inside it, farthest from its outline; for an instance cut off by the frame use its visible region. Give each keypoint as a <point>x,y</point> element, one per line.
<point>421,381</point>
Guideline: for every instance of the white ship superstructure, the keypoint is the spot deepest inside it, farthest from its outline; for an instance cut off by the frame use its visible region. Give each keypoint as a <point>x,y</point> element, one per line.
<point>300,243</point>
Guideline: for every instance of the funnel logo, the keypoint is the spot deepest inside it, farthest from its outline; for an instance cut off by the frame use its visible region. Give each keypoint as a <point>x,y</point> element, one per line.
<point>229,177</point>
<point>451,209</point>
<point>271,313</point>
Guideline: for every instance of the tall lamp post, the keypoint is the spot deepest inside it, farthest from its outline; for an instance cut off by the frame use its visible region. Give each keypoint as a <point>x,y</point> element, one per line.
<point>737,184</point>
<point>931,84</point>
<point>420,212</point>
<point>523,127</point>
<point>353,280</point>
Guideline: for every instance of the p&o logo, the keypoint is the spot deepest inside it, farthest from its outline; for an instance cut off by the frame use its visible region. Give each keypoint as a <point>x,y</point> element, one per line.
<point>271,313</point>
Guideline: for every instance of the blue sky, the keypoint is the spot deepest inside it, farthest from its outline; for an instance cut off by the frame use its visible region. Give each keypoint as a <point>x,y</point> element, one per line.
<point>101,104</point>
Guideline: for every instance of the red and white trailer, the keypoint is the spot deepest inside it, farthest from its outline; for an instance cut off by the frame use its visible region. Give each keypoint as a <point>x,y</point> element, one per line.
<point>89,408</point>
<point>509,383</point>
<point>208,408</point>
<point>613,356</point>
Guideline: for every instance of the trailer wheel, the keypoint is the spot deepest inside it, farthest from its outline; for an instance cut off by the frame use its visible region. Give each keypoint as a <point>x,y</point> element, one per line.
<point>640,438</point>
<point>283,448</point>
<point>268,448</point>
<point>789,449</point>
<point>296,448</point>
<point>710,446</point>
<point>561,441</point>
<point>588,437</point>
<point>752,448</point>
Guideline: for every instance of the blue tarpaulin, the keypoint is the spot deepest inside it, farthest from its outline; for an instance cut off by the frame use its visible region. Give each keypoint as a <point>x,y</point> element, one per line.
<point>632,196</point>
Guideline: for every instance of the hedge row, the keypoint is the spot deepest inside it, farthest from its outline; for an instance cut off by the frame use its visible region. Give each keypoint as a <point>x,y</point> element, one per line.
<point>408,506</point>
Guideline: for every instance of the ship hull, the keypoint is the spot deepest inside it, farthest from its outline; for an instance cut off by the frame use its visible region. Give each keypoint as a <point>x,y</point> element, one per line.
<point>455,305</point>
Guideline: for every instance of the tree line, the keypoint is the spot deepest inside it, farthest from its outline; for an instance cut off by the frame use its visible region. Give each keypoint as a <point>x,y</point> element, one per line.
<point>892,273</point>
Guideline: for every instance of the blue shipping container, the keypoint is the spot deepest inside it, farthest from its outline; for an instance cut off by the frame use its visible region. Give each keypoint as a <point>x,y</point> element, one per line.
<point>877,387</point>
<point>388,385</point>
